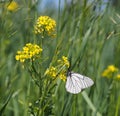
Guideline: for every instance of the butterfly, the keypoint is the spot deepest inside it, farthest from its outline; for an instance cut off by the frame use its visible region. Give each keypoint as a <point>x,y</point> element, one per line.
<point>76,82</point>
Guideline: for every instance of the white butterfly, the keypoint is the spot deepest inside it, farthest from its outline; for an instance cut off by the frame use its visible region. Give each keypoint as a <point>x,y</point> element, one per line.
<point>77,82</point>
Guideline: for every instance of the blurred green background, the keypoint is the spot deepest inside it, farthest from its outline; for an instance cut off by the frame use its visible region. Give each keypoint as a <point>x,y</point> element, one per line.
<point>87,30</point>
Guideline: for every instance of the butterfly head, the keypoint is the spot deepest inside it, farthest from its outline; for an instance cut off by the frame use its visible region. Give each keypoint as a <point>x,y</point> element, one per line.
<point>69,73</point>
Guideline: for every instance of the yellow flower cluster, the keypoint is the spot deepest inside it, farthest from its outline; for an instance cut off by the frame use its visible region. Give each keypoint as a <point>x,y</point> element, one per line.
<point>45,26</point>
<point>111,72</point>
<point>62,76</point>
<point>28,52</point>
<point>118,76</point>
<point>12,6</point>
<point>64,61</point>
<point>59,70</point>
<point>52,71</point>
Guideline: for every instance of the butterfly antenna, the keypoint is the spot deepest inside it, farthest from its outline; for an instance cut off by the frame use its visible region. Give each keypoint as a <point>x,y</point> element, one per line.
<point>70,59</point>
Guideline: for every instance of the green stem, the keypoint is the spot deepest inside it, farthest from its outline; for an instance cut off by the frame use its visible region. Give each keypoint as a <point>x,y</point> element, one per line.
<point>89,102</point>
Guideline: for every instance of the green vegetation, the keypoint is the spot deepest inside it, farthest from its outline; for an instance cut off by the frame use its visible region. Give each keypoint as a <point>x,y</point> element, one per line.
<point>87,37</point>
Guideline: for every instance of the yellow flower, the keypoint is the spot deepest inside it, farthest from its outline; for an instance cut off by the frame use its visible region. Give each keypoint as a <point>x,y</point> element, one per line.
<point>12,6</point>
<point>62,76</point>
<point>111,69</point>
<point>59,70</point>
<point>45,26</point>
<point>118,76</point>
<point>29,51</point>
<point>64,61</point>
<point>52,71</point>
<point>107,73</point>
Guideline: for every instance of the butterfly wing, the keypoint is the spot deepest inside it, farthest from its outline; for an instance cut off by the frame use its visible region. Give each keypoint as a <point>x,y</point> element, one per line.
<point>76,82</point>
<point>72,85</point>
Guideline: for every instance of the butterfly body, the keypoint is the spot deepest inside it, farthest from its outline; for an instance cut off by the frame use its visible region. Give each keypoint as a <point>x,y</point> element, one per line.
<point>76,82</point>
